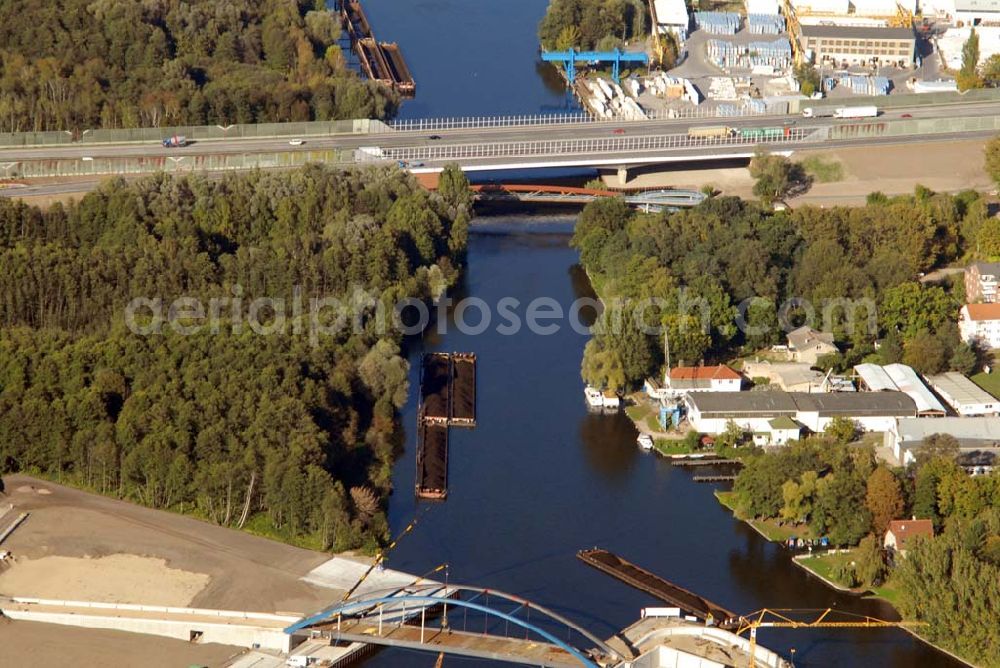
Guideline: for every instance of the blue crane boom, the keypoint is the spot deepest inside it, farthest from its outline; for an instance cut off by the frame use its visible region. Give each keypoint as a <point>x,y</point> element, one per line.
<point>616,58</point>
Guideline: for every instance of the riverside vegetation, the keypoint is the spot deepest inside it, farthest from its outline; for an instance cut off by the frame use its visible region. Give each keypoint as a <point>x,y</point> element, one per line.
<point>727,250</point>
<point>286,436</point>
<point>78,64</point>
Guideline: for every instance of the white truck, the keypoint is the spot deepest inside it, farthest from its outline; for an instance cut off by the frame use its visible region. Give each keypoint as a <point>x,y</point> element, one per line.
<point>840,112</point>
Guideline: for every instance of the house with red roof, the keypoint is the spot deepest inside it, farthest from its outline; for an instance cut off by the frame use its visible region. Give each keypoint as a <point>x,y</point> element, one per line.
<point>980,323</point>
<point>900,533</point>
<point>684,379</point>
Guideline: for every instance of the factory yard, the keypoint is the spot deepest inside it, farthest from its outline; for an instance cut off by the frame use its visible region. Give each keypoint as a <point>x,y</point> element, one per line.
<point>80,546</point>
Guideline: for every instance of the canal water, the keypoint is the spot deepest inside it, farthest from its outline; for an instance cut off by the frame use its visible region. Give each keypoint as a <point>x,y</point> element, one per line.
<point>539,478</point>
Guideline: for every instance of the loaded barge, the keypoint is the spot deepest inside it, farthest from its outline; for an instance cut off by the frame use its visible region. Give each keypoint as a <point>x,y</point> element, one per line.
<point>447,398</point>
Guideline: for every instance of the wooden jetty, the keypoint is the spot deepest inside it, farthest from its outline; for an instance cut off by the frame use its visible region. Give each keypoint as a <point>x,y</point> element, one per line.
<point>654,585</point>
<point>713,478</point>
<point>706,461</point>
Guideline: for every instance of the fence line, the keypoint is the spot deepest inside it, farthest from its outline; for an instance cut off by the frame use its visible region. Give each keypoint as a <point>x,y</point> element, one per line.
<point>580,146</point>
<point>582,117</point>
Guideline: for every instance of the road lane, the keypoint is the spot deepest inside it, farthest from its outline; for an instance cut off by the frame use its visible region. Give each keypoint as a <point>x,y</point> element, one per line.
<point>593,130</point>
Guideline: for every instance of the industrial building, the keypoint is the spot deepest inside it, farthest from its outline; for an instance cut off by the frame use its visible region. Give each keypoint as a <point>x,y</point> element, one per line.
<point>900,378</point>
<point>964,12</point>
<point>711,412</point>
<point>906,435</point>
<point>858,44</point>
<point>965,397</point>
<point>672,17</point>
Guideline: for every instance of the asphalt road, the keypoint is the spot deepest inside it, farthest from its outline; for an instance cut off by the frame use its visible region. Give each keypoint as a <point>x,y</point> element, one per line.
<point>458,136</point>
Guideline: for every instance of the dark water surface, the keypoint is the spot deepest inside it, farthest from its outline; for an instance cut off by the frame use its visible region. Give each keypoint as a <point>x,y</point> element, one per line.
<point>539,478</point>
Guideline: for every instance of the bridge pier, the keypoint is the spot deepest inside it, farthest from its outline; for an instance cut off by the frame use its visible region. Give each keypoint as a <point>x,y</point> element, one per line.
<point>623,176</point>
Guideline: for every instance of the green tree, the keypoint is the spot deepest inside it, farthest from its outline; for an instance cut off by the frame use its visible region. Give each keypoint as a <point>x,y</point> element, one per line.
<point>869,562</point>
<point>841,430</point>
<point>992,156</point>
<point>925,353</point>
<point>968,76</point>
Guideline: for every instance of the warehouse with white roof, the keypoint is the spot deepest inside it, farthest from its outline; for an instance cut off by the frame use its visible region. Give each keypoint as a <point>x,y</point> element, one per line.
<point>906,435</point>
<point>672,17</point>
<point>964,396</point>
<point>900,378</point>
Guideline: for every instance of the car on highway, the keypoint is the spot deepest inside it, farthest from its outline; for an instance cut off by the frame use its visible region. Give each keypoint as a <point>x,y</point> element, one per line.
<point>297,142</point>
<point>906,116</point>
<point>619,131</point>
<point>434,137</point>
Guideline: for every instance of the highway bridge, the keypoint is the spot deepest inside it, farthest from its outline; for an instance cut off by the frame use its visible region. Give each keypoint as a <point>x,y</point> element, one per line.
<point>491,146</point>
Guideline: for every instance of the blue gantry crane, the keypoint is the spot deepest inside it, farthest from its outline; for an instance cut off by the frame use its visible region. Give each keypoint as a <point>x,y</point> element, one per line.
<point>570,58</point>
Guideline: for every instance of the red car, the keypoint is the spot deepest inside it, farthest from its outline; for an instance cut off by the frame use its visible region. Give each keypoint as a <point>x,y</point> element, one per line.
<point>906,116</point>
<point>619,131</point>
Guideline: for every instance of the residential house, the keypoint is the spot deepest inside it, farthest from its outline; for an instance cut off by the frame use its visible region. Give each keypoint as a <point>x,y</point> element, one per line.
<point>779,431</point>
<point>981,282</point>
<point>807,345</point>
<point>790,376</point>
<point>980,323</point>
<point>684,379</point>
<point>900,534</point>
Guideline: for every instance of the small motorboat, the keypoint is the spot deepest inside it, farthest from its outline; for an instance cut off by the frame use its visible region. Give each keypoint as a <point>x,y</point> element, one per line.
<point>595,399</point>
<point>645,441</point>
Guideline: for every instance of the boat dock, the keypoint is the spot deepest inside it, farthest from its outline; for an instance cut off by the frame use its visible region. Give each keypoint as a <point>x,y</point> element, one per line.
<point>713,478</point>
<point>381,62</point>
<point>705,462</point>
<point>447,399</point>
<point>654,585</point>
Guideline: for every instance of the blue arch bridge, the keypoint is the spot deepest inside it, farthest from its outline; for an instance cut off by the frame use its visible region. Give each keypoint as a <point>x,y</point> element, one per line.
<point>464,620</point>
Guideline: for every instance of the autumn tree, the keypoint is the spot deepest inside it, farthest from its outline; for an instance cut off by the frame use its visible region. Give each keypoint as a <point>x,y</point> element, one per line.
<point>883,498</point>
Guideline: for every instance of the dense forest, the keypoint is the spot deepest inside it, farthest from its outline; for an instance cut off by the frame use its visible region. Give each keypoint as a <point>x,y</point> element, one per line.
<point>78,64</point>
<point>951,581</point>
<point>727,251</point>
<point>274,428</point>
<point>592,24</point>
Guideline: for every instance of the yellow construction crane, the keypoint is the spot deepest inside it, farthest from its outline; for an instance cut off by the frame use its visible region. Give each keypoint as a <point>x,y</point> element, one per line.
<point>809,619</point>
<point>794,31</point>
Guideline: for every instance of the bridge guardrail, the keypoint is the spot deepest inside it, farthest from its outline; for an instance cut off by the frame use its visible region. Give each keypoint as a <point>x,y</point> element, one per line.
<point>63,167</point>
<point>575,118</point>
<point>585,146</point>
<point>194,132</point>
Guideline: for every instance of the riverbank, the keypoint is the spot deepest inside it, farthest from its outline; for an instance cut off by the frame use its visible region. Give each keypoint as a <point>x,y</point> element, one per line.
<point>821,565</point>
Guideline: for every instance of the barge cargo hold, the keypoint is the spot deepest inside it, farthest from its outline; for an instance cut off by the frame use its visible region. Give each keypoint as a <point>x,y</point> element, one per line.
<point>435,387</point>
<point>463,394</point>
<point>432,461</point>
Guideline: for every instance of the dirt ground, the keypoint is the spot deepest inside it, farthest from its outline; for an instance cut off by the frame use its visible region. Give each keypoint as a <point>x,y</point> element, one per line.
<point>116,578</point>
<point>893,169</point>
<point>243,572</point>
<point>136,555</point>
<point>36,644</point>
<point>897,169</point>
